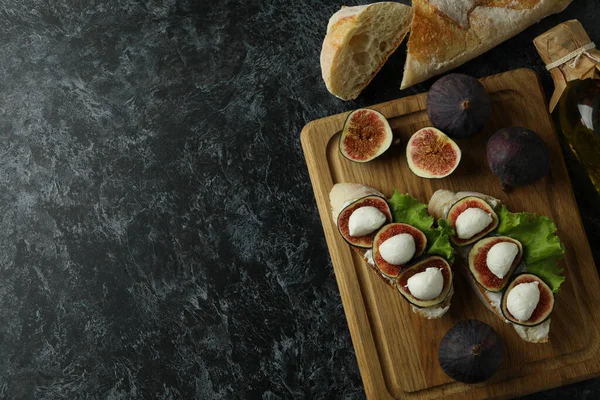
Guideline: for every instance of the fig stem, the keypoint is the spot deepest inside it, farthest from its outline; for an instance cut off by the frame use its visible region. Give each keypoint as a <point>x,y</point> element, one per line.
<point>476,350</point>
<point>466,104</point>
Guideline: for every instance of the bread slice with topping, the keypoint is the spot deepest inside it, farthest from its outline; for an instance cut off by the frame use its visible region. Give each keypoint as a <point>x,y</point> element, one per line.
<point>359,40</point>
<point>439,204</point>
<point>343,195</point>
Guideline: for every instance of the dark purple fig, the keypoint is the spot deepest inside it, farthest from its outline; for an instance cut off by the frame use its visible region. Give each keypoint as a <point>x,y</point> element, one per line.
<point>343,222</point>
<point>478,262</point>
<point>517,156</point>
<point>459,105</point>
<point>366,135</point>
<point>463,205</point>
<point>543,308</point>
<point>471,352</point>
<point>388,232</point>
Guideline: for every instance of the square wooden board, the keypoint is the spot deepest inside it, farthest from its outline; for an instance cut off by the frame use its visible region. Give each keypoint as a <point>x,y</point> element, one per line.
<point>396,349</point>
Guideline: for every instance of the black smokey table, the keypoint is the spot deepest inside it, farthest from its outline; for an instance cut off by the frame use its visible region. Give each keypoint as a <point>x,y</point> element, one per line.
<point>159,236</point>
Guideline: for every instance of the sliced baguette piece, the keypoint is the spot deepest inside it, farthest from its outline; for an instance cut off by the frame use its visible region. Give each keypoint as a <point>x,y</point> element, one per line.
<point>448,33</point>
<point>532,334</point>
<point>359,40</point>
<point>340,196</point>
<point>433,312</point>
<point>439,204</point>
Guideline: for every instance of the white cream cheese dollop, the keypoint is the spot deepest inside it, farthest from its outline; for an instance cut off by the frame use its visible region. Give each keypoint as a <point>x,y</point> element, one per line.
<point>426,285</point>
<point>500,258</point>
<point>398,249</point>
<point>365,220</point>
<point>369,257</point>
<point>472,221</point>
<point>523,299</point>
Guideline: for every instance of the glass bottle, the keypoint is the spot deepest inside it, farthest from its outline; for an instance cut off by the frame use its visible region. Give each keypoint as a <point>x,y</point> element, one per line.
<point>578,116</point>
<point>574,63</point>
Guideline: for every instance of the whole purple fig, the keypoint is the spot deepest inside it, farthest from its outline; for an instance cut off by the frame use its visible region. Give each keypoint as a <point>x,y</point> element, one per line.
<point>517,156</point>
<point>458,105</point>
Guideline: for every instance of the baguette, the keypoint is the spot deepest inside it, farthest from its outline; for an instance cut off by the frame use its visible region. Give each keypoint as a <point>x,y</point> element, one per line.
<point>440,203</point>
<point>433,312</point>
<point>448,33</point>
<point>341,195</point>
<point>359,40</point>
<point>532,334</point>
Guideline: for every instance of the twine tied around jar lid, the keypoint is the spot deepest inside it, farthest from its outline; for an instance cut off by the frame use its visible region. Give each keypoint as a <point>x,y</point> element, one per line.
<point>576,55</point>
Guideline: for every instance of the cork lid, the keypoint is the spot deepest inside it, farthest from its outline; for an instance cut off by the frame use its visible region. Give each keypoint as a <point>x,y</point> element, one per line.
<point>569,54</point>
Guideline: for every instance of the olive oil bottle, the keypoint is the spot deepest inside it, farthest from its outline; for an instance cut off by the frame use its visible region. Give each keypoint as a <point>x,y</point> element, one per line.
<point>574,63</point>
<point>578,117</point>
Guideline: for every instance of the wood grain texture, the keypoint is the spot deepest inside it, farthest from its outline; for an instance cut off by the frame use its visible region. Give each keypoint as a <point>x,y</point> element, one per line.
<point>397,350</point>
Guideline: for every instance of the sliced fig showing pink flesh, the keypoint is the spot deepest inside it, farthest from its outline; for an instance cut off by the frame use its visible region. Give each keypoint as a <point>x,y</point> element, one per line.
<point>388,232</point>
<point>344,217</point>
<point>478,263</point>
<point>421,266</point>
<point>460,207</point>
<point>542,310</point>
<point>432,154</point>
<point>366,135</point>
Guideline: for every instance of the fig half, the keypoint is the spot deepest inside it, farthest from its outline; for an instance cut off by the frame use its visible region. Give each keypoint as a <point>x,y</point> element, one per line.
<point>343,220</point>
<point>517,156</point>
<point>432,154</point>
<point>471,352</point>
<point>389,231</point>
<point>459,105</point>
<point>420,266</point>
<point>366,135</point>
<point>480,269</point>
<point>545,305</point>
<point>461,206</point>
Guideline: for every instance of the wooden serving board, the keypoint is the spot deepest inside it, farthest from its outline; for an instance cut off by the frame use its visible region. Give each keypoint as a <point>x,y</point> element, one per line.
<point>396,349</point>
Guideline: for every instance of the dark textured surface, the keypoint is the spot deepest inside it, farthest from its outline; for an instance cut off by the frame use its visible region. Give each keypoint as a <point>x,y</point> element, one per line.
<point>158,229</point>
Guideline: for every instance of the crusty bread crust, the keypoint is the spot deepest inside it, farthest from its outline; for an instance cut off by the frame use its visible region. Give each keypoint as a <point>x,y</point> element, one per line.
<point>448,33</point>
<point>359,41</point>
<point>442,199</point>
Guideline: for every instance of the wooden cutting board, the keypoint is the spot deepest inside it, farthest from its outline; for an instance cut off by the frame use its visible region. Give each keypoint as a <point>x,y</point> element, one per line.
<point>397,350</point>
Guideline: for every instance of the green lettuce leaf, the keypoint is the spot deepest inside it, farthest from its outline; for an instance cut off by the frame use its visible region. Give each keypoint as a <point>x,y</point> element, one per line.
<point>541,246</point>
<point>438,240</point>
<point>408,210</point>
<point>549,271</point>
